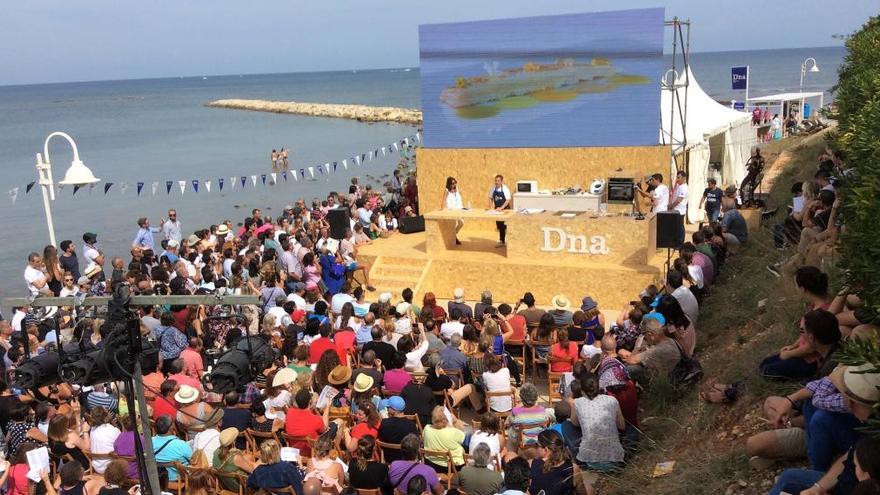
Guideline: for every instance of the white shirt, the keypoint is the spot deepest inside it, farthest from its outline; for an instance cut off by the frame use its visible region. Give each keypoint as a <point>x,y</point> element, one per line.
<point>414,357</point>
<point>387,225</point>
<point>338,301</point>
<point>498,382</point>
<point>171,230</point>
<point>101,441</point>
<point>208,441</point>
<point>65,292</point>
<point>681,191</point>
<point>32,275</point>
<point>403,326</point>
<point>17,318</point>
<point>504,190</point>
<point>453,200</point>
<point>91,253</point>
<point>688,302</point>
<point>696,273</point>
<point>660,198</point>
<point>451,327</point>
<point>492,441</point>
<point>282,318</point>
<point>589,350</point>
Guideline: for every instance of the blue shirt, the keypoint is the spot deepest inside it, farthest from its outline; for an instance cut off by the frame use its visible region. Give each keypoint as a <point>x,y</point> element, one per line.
<point>363,335</point>
<point>171,342</point>
<point>176,450</point>
<point>278,475</point>
<point>144,238</point>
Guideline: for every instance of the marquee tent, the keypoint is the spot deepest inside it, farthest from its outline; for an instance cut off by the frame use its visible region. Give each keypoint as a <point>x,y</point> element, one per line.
<point>713,132</point>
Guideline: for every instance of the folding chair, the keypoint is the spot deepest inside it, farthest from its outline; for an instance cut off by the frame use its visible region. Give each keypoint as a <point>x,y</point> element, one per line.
<point>386,446</point>
<point>502,393</point>
<point>521,358</point>
<point>226,479</point>
<point>450,465</point>
<point>255,438</point>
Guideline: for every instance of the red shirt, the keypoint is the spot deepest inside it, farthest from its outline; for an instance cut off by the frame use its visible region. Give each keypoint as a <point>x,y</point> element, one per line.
<point>192,362</point>
<point>303,423</point>
<point>319,346</point>
<point>518,324</point>
<point>344,341</point>
<point>152,383</point>
<point>182,379</point>
<point>162,407</point>
<point>557,351</point>
<point>362,429</point>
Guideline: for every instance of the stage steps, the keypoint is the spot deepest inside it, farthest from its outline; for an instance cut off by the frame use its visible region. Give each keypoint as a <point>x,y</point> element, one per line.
<point>394,274</point>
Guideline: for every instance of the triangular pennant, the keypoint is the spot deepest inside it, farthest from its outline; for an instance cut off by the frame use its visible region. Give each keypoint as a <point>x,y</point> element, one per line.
<point>383,150</point>
<point>293,174</point>
<point>345,164</point>
<point>168,184</point>
<point>320,169</point>
<point>140,187</point>
<point>419,137</point>
<point>207,185</point>
<point>406,141</point>
<point>334,166</point>
<point>396,147</point>
<point>29,186</point>
<point>76,188</point>
<point>13,194</point>
<point>254,180</point>
<point>92,187</point>
<point>326,168</point>
<point>182,184</point>
<point>195,183</point>
<point>312,172</point>
<point>302,173</point>
<point>123,187</point>
<point>274,177</point>
<point>220,182</point>
<point>243,181</point>
<point>284,175</point>
<point>263,177</point>
<point>363,157</point>
<point>155,187</point>
<point>356,160</point>
<point>107,187</point>
<point>376,153</point>
<point>233,180</point>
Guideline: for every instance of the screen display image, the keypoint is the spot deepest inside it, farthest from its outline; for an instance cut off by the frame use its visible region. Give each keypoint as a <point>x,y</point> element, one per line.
<point>551,81</point>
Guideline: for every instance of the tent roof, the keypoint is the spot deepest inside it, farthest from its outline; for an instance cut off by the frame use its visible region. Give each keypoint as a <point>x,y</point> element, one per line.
<point>787,96</point>
<point>705,116</point>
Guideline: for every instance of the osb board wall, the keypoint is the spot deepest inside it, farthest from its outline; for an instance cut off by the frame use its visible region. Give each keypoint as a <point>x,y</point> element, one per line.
<point>553,168</point>
<point>508,282</point>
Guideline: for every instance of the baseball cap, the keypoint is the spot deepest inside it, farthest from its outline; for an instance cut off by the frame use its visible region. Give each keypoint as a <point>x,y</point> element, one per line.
<point>298,315</point>
<point>395,402</point>
<point>90,237</point>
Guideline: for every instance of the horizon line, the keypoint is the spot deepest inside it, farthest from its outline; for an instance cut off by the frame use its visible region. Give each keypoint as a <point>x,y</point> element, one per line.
<point>372,69</point>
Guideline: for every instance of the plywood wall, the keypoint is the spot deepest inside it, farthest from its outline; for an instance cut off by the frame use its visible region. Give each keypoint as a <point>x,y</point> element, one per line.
<point>553,168</point>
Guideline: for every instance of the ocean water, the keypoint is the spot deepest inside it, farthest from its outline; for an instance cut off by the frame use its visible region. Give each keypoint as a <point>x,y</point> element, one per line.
<point>159,129</point>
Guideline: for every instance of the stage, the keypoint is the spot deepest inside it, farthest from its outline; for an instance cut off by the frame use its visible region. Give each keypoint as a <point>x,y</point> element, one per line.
<point>609,257</point>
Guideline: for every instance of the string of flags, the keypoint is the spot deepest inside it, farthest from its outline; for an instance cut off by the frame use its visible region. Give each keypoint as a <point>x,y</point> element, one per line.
<point>403,147</point>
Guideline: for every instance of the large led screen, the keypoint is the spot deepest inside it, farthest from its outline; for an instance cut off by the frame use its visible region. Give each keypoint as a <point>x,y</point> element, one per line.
<point>550,81</point>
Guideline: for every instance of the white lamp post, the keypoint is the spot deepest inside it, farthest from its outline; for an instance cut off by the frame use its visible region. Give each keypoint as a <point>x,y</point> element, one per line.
<point>77,175</point>
<point>814,67</point>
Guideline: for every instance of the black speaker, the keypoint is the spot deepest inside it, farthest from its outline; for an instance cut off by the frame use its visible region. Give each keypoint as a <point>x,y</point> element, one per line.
<point>668,225</point>
<point>338,218</point>
<point>409,225</point>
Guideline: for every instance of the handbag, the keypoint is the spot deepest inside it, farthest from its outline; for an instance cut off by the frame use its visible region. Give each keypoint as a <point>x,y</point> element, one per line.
<point>687,371</point>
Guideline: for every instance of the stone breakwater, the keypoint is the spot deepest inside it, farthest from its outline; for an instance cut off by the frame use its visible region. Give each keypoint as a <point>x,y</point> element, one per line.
<point>362,113</point>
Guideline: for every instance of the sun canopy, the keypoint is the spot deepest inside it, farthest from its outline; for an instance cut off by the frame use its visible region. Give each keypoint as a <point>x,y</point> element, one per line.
<point>787,96</point>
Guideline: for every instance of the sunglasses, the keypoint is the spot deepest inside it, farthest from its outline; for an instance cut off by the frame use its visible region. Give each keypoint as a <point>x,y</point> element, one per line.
<point>68,280</point>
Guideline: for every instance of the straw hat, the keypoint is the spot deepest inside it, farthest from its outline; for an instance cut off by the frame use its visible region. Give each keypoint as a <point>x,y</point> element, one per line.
<point>186,395</point>
<point>560,302</point>
<point>215,418</point>
<point>401,308</point>
<point>384,297</point>
<point>340,375</point>
<point>228,436</point>
<point>857,384</point>
<point>458,295</point>
<point>92,270</point>
<point>283,377</point>
<point>222,230</point>
<point>363,383</point>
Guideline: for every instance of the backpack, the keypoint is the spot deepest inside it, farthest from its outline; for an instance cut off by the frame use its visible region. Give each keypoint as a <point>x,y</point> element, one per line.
<point>688,370</point>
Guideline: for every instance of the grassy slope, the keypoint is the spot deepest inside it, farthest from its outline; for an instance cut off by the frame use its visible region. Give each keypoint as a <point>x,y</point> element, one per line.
<point>707,441</point>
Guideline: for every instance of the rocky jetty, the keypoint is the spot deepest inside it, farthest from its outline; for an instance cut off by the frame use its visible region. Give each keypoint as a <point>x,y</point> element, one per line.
<point>362,113</point>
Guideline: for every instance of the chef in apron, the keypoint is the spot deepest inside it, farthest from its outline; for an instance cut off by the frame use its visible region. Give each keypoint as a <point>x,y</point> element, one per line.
<point>500,197</point>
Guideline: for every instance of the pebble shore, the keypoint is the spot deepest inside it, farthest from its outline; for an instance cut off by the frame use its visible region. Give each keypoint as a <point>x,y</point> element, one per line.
<point>361,113</point>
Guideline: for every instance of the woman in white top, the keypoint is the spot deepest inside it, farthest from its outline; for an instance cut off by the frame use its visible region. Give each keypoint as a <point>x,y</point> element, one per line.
<point>490,434</point>
<point>600,420</point>
<point>496,378</point>
<point>101,437</point>
<point>452,201</point>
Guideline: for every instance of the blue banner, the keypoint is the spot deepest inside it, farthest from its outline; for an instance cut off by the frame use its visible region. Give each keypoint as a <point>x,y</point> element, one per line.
<point>739,77</point>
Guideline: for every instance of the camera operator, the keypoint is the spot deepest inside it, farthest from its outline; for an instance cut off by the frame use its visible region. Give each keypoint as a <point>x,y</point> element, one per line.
<point>657,191</point>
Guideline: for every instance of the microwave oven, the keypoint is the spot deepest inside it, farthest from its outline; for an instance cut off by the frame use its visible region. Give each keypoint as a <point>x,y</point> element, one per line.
<point>527,186</point>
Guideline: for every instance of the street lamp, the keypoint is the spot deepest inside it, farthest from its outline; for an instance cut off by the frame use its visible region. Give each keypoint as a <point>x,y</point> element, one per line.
<point>813,68</point>
<point>77,175</point>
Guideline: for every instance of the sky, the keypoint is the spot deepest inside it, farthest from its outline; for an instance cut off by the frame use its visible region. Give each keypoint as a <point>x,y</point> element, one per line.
<point>50,41</point>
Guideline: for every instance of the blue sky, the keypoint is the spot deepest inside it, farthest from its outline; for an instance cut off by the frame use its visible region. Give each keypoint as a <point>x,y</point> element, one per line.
<point>86,40</point>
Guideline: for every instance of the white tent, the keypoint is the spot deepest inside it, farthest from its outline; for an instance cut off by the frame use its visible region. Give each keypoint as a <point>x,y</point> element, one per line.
<point>712,130</point>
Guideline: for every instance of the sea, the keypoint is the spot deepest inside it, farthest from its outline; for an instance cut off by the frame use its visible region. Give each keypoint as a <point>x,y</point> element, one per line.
<point>156,130</point>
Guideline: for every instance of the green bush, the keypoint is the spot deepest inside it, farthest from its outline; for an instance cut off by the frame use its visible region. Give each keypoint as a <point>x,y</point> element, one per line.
<point>858,137</point>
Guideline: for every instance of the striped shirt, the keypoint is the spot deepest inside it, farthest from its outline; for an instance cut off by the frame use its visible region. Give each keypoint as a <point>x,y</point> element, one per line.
<point>524,416</point>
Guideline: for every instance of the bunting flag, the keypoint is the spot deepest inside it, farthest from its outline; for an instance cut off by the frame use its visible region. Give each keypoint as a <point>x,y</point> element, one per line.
<point>312,172</point>
<point>168,184</point>
<point>383,150</point>
<point>406,141</point>
<point>284,175</point>
<point>263,177</point>
<point>208,185</point>
<point>254,180</point>
<point>334,167</point>
<point>233,180</point>
<point>357,160</point>
<point>220,183</point>
<point>326,168</point>
<point>140,187</point>
<point>29,186</point>
<point>345,164</point>
<point>195,183</point>
<point>302,173</point>
<point>243,181</point>
<point>182,185</point>
<point>294,175</point>
<point>76,188</point>
<point>274,177</point>
<point>107,187</point>
<point>13,194</point>
<point>124,187</point>
<point>396,147</point>
<point>155,187</point>
<point>363,157</point>
<point>418,136</point>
